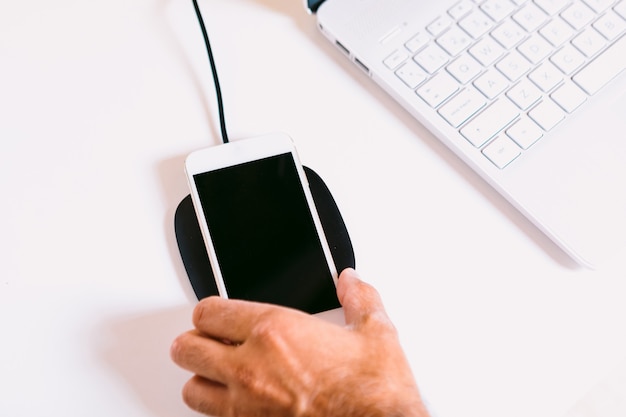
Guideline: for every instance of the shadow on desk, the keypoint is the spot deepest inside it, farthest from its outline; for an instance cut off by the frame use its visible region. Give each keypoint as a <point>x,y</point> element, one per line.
<point>136,348</point>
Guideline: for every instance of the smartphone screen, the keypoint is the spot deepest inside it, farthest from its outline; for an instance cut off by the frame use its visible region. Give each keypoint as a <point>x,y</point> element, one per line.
<point>264,236</point>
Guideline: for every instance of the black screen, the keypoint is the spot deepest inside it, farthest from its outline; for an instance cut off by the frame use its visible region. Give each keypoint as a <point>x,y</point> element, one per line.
<point>264,236</point>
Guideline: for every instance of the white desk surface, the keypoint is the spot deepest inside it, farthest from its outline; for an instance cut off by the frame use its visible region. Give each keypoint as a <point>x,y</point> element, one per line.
<point>100,102</point>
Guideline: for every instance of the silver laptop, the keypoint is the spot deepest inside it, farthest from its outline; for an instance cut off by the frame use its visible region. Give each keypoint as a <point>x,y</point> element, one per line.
<point>529,93</point>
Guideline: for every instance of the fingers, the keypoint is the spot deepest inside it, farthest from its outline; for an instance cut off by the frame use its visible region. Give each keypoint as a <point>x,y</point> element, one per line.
<point>221,325</point>
<point>206,396</point>
<point>202,356</point>
<point>228,320</point>
<point>361,302</point>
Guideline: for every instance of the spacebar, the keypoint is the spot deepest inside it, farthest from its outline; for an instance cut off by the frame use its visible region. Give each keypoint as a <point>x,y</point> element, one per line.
<point>603,69</point>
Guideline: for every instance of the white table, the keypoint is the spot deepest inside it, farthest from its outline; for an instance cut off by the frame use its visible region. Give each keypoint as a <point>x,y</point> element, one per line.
<point>100,102</point>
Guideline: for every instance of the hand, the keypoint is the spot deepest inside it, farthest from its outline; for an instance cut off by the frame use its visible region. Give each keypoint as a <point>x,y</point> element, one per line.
<point>253,359</point>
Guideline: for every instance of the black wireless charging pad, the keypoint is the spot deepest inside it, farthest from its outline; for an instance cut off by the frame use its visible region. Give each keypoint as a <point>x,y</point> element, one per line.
<point>195,257</point>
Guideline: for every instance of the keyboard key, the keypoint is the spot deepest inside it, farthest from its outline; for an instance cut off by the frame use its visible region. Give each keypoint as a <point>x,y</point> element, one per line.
<point>525,132</point>
<point>476,24</point>
<point>491,121</point>
<point>530,17</point>
<point>463,106</point>
<point>569,97</point>
<point>589,42</point>
<point>603,69</point>
<point>551,7</point>
<point>524,94</point>
<point>513,66</point>
<point>411,74</point>
<point>417,42</point>
<point>460,9</point>
<point>535,49</point>
<point>436,90</point>
<point>502,151</point>
<point>431,58</point>
<point>497,9</point>
<point>437,27</point>
<point>621,9</point>
<point>395,59</point>
<point>454,41</point>
<point>546,76</point>
<point>491,83</point>
<point>610,25</point>
<point>464,69</point>
<point>557,32</point>
<point>486,51</point>
<point>508,34</point>
<point>568,59</point>
<point>599,5</point>
<point>547,114</point>
<point>578,15</point>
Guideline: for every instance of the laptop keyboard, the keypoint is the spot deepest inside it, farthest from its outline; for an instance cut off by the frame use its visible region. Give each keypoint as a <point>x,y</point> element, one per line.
<point>506,72</point>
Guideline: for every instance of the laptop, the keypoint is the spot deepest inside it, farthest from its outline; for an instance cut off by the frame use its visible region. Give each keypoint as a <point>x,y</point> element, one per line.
<point>531,94</point>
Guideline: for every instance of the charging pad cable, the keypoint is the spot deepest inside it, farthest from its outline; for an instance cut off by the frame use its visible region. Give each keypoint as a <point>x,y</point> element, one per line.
<point>218,90</point>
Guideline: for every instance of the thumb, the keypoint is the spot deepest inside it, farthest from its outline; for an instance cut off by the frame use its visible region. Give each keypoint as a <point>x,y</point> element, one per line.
<point>361,303</point>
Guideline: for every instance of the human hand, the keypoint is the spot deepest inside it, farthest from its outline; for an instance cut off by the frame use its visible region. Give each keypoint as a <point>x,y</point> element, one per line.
<point>253,359</point>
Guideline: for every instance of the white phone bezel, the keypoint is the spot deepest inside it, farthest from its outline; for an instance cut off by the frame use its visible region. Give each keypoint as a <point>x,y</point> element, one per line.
<point>235,153</point>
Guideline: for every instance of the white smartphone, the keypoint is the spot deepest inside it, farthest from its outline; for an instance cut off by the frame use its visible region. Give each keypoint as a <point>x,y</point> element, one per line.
<point>260,227</point>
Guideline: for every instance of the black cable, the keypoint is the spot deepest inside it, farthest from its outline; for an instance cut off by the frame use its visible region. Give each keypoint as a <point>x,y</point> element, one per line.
<point>216,81</point>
